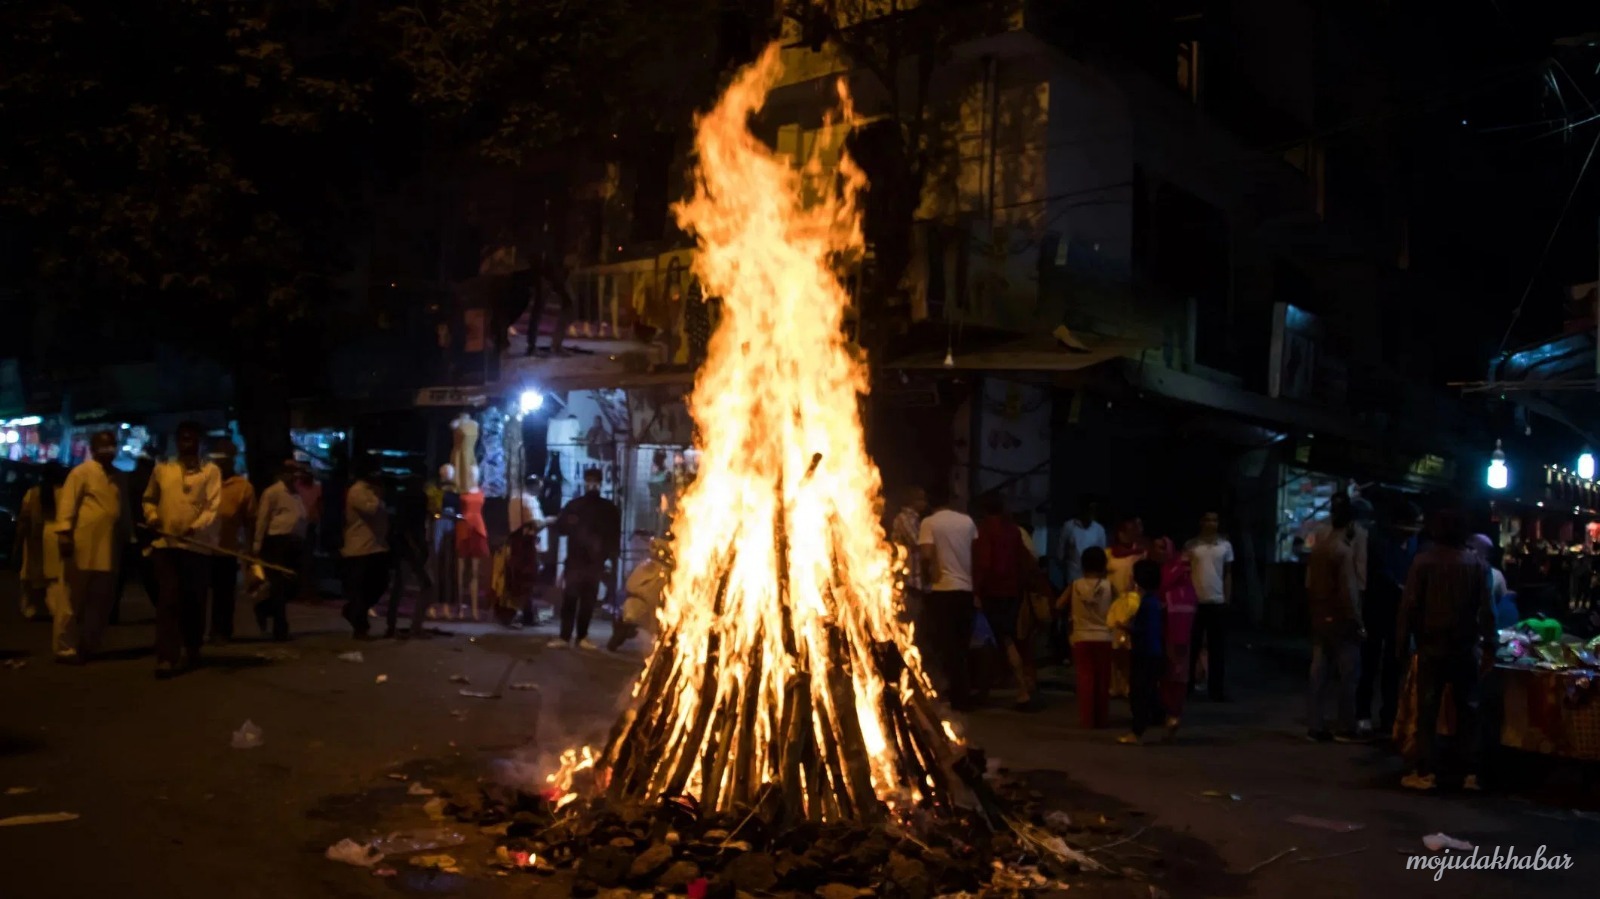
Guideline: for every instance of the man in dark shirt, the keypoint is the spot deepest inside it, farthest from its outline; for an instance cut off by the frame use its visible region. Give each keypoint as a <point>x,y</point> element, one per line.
<point>592,525</point>
<point>1333,595</point>
<point>1447,610</point>
<point>1393,548</point>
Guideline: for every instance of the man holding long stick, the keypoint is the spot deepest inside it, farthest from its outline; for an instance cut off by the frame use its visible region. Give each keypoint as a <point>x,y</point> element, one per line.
<point>181,506</point>
<point>280,529</point>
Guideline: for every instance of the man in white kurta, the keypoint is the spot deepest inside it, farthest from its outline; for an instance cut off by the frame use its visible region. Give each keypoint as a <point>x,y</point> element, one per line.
<point>89,519</point>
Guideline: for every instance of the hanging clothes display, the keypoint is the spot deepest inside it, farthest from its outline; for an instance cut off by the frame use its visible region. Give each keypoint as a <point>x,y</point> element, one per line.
<point>516,482</point>
<point>492,477</point>
<point>464,452</point>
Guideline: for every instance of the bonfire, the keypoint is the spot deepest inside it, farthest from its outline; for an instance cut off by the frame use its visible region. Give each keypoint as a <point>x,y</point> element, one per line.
<point>784,672</point>
<point>783,733</point>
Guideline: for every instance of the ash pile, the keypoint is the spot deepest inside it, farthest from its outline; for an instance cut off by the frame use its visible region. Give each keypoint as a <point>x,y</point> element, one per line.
<point>613,849</point>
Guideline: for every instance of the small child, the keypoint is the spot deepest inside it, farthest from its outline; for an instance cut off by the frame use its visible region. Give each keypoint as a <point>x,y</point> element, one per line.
<point>1088,599</point>
<point>1148,660</point>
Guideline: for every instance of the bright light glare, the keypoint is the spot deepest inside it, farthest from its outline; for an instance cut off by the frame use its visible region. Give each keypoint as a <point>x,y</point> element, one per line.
<point>530,401</point>
<point>1586,466</point>
<point>1498,475</point>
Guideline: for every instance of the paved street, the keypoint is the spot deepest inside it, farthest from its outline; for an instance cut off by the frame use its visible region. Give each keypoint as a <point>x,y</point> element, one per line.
<point>169,809</point>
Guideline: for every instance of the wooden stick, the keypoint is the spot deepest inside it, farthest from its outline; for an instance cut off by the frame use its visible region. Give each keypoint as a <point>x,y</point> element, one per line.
<point>1265,862</point>
<point>747,776</point>
<point>852,745</point>
<point>708,689</point>
<point>796,737</point>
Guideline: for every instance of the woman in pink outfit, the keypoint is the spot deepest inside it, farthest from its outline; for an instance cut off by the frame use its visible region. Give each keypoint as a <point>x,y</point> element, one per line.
<point>1177,593</point>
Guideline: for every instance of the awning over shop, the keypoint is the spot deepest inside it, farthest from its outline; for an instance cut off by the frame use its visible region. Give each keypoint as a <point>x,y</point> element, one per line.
<point>1189,388</point>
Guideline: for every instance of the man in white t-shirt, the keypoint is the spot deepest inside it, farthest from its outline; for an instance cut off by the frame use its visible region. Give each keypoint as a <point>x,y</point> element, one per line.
<point>1210,558</point>
<point>945,540</point>
<point>1077,535</point>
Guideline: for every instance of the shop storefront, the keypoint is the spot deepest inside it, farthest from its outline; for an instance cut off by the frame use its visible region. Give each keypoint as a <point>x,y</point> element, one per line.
<point>1317,471</point>
<point>1549,532</point>
<point>319,448</point>
<point>33,440</point>
<point>641,442</point>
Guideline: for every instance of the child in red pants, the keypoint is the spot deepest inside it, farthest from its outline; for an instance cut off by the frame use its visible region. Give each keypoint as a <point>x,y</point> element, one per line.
<point>1089,598</point>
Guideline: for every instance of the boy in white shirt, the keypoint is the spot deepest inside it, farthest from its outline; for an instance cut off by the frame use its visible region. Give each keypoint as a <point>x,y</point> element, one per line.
<point>1211,566</point>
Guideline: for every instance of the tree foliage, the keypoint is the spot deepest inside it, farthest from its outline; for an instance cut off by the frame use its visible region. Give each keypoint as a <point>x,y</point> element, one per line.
<point>174,153</point>
<point>518,79</point>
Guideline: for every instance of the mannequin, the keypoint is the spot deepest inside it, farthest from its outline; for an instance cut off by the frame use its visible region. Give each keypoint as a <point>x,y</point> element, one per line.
<point>464,452</point>
<point>442,539</point>
<point>472,547</point>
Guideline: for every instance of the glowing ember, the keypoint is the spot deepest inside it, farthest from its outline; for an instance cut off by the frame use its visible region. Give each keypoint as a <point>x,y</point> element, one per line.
<point>783,668</point>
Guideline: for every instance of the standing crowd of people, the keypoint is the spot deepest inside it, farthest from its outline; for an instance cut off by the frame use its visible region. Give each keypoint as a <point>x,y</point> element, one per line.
<point>180,526</point>
<point>1130,612</point>
<point>1428,601</point>
<point>1143,619</point>
<point>194,531</point>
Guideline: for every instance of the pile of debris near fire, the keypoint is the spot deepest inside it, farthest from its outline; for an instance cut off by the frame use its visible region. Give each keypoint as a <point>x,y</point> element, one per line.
<point>606,848</point>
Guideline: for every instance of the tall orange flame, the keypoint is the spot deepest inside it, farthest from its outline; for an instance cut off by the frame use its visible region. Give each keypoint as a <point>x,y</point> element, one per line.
<point>771,667</point>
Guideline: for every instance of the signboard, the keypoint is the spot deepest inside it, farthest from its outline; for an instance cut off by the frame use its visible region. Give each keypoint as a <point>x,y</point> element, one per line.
<point>450,396</point>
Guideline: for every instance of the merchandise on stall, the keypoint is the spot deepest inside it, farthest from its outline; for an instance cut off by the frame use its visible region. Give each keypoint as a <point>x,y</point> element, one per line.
<point>1548,683</point>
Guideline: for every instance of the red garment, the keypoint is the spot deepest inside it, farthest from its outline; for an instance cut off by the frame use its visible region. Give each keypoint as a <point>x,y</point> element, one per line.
<point>1091,660</point>
<point>997,558</point>
<point>472,533</point>
<point>1177,593</point>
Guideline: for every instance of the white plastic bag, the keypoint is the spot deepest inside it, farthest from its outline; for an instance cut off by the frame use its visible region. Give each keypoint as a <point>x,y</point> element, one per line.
<point>248,736</point>
<point>352,853</point>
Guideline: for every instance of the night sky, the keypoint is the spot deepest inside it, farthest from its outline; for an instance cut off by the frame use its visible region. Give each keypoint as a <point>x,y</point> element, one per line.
<point>1492,162</point>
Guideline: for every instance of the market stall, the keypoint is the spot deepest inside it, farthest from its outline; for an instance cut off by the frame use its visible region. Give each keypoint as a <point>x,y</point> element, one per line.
<point>1545,688</point>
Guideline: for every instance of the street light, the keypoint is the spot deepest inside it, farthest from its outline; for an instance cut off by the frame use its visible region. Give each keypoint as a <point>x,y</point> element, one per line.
<point>1498,476</point>
<point>1586,466</point>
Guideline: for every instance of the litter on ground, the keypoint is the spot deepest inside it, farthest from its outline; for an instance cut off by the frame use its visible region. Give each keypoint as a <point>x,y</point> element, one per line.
<point>248,736</point>
<point>1438,841</point>
<point>352,853</point>
<point>1326,824</point>
<point>46,818</point>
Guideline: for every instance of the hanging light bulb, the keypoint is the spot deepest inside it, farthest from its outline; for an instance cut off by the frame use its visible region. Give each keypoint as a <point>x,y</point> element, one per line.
<point>1498,475</point>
